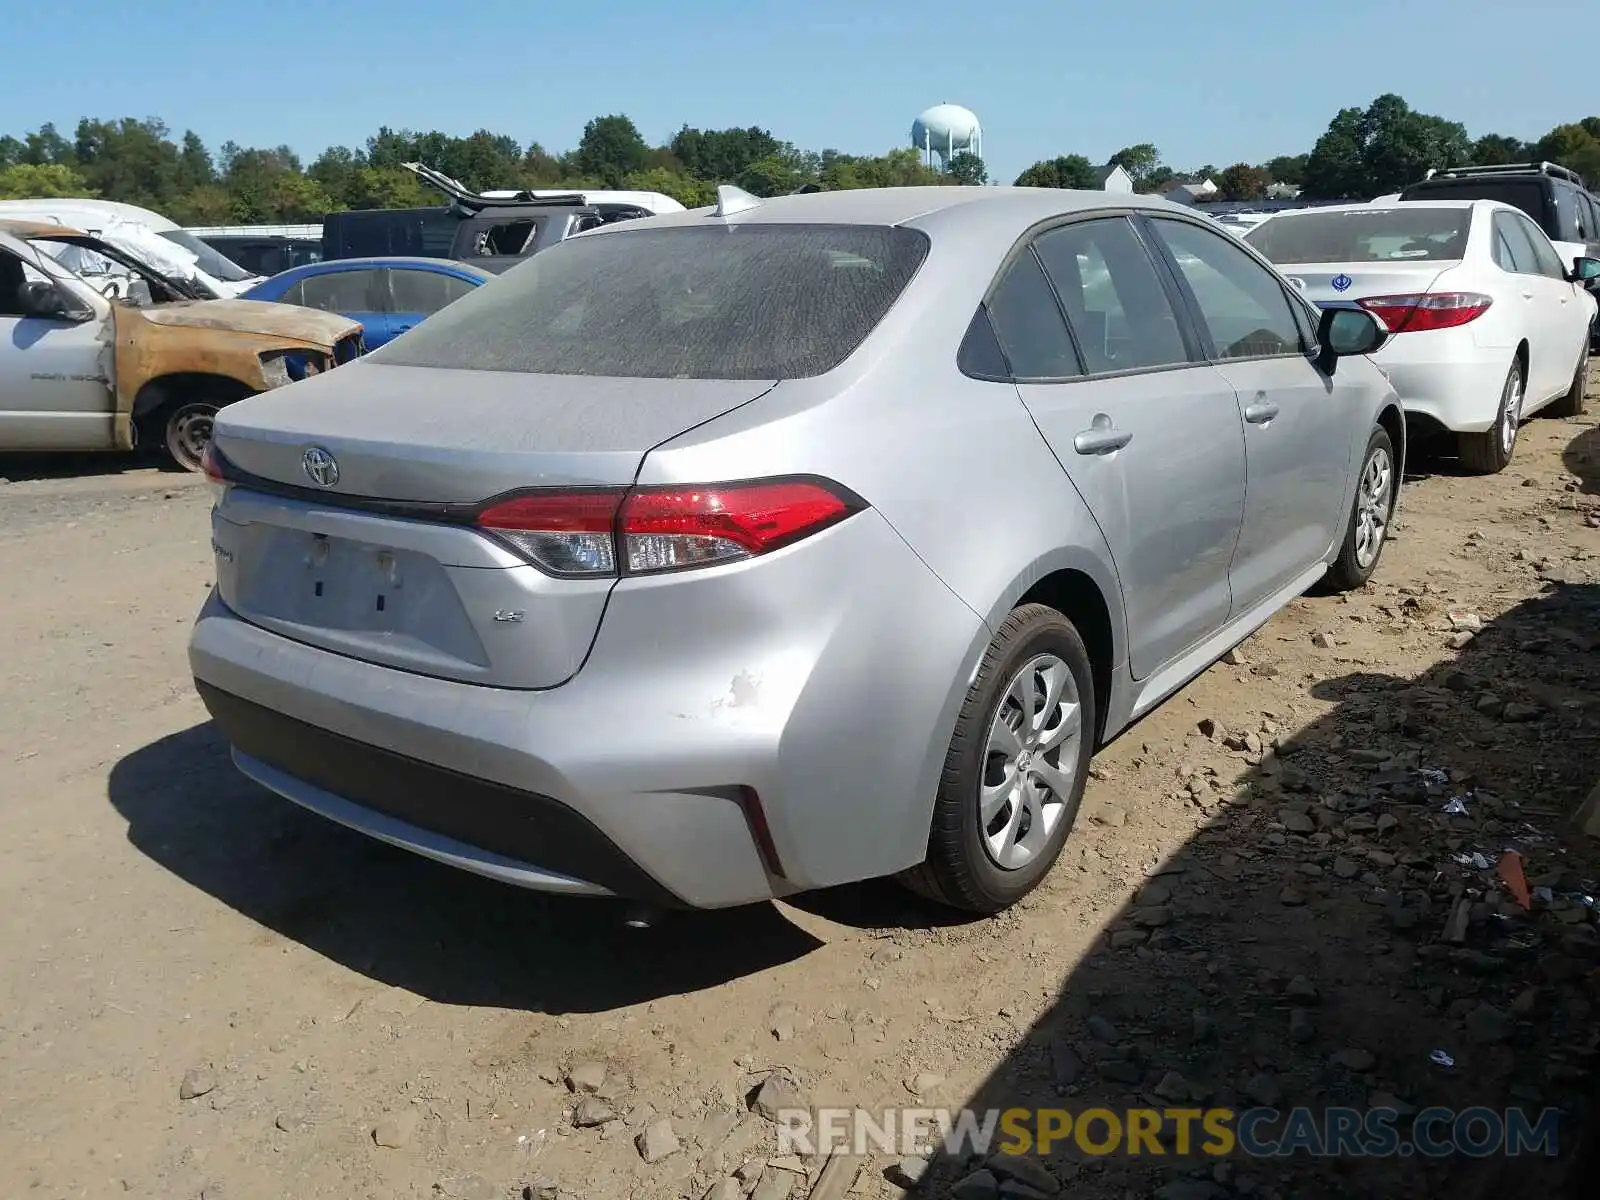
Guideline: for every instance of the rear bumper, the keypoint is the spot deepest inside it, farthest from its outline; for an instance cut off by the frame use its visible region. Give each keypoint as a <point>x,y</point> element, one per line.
<point>1459,389</point>
<point>470,823</point>
<point>822,680</point>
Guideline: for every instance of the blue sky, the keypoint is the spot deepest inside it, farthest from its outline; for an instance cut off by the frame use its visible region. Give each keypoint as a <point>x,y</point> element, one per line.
<point>1207,82</point>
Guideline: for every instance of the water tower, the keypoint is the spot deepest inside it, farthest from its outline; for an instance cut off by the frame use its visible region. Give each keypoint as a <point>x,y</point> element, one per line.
<point>946,130</point>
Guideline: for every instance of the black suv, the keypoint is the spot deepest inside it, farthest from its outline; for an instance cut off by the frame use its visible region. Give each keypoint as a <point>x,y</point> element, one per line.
<point>491,232</point>
<point>1553,196</point>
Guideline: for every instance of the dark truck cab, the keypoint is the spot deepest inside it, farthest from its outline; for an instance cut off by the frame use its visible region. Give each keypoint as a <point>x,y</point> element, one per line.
<point>491,232</point>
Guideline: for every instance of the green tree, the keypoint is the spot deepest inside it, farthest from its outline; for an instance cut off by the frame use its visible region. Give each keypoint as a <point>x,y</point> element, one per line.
<point>31,181</point>
<point>337,169</point>
<point>11,150</point>
<point>611,148</point>
<point>47,146</point>
<point>1287,168</point>
<point>1496,149</point>
<point>1335,168</point>
<point>686,190</point>
<point>967,168</point>
<point>388,187</point>
<point>1143,164</point>
<point>774,175</point>
<point>195,168</point>
<point>131,160</point>
<point>1574,147</point>
<point>1381,149</point>
<point>1067,171</point>
<point>722,155</point>
<point>1242,182</point>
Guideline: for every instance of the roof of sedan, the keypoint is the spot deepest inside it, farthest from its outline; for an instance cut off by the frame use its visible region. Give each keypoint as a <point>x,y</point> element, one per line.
<point>897,206</point>
<point>1385,205</point>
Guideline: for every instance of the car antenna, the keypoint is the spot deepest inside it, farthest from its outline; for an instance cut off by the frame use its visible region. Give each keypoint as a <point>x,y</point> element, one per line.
<point>732,200</point>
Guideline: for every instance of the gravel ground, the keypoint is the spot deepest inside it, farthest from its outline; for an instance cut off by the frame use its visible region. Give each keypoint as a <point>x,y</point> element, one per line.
<point>206,992</point>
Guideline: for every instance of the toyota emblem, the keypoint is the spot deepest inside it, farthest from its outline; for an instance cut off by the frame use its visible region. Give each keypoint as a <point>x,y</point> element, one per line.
<point>320,466</point>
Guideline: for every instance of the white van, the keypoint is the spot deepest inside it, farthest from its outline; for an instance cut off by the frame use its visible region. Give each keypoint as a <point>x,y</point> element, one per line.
<point>141,233</point>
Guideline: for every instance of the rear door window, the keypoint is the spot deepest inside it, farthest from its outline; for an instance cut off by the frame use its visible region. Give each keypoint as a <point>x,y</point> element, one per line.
<point>1588,217</point>
<point>1568,223</point>
<point>744,301</point>
<point>343,291</point>
<point>1546,260</point>
<point>1114,298</point>
<point>424,291</point>
<point>1513,251</point>
<point>1028,323</point>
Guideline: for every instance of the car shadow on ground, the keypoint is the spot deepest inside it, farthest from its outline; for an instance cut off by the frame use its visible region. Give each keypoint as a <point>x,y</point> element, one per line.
<point>404,920</point>
<point>18,468</point>
<point>1310,945</point>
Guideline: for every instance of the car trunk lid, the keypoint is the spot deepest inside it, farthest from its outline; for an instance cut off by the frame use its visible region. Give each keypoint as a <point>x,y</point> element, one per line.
<point>1342,285</point>
<point>347,519</point>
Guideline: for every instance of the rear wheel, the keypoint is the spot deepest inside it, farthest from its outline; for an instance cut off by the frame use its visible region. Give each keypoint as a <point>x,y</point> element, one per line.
<point>1489,452</point>
<point>1571,404</point>
<point>1015,770</point>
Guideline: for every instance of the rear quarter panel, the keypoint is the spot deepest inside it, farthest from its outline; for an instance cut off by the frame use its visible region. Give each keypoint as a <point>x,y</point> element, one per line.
<point>954,465</point>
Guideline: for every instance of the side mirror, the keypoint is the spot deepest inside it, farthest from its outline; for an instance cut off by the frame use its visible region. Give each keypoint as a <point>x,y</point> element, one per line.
<point>38,299</point>
<point>1585,270</point>
<point>1346,331</point>
<point>139,294</point>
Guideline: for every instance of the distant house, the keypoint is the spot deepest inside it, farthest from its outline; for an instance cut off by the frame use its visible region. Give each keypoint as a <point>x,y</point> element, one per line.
<point>1189,193</point>
<point>1112,178</point>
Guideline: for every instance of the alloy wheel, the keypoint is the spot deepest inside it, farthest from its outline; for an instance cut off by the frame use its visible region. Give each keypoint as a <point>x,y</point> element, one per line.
<point>1030,761</point>
<point>1372,506</point>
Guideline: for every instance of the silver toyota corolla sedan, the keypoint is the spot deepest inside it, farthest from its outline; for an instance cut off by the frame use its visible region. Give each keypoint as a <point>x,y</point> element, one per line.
<point>737,552</point>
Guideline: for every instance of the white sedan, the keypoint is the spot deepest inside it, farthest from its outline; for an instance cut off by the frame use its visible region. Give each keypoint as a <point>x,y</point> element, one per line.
<point>1491,325</point>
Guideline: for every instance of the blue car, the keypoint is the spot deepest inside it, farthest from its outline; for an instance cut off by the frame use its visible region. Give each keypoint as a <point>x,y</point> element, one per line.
<point>387,295</point>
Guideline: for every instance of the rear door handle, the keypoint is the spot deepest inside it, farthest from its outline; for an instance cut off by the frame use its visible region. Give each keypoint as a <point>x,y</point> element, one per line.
<point>1102,437</point>
<point>1260,412</point>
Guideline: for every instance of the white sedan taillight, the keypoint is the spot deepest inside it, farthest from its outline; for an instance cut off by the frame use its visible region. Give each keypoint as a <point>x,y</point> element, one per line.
<point>1419,312</point>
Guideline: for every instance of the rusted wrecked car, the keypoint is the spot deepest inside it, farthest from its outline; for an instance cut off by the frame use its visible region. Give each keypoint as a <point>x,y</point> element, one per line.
<point>83,371</point>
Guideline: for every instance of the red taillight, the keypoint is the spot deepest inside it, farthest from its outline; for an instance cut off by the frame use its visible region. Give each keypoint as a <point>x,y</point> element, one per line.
<point>566,533</point>
<point>663,529</point>
<point>1419,312</point>
<point>210,463</point>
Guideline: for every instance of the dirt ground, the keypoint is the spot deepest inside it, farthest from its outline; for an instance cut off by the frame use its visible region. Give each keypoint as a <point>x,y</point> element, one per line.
<point>205,992</point>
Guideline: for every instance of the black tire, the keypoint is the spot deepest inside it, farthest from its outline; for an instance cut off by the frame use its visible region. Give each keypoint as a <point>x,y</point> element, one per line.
<point>960,869</point>
<point>1358,557</point>
<point>1571,404</point>
<point>185,427</point>
<point>1489,452</point>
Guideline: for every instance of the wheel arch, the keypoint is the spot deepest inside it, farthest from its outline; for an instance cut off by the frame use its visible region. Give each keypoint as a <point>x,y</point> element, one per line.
<point>187,385</point>
<point>1083,588</point>
<point>1393,422</point>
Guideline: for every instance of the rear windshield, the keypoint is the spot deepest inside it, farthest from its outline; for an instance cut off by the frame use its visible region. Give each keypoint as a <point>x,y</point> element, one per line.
<point>760,301</point>
<point>1526,194</point>
<point>1364,235</point>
